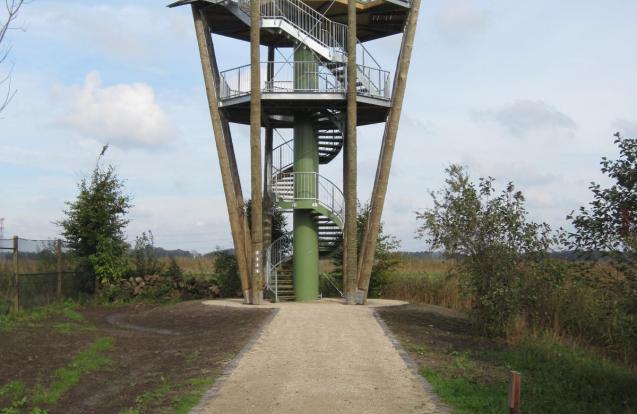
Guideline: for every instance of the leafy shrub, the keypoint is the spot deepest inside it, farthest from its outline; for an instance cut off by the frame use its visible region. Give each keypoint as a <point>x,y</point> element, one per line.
<point>491,239</point>
<point>227,273</point>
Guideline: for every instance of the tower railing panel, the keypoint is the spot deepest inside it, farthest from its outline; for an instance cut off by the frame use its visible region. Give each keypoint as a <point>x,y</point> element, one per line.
<point>309,186</point>
<point>312,23</point>
<point>322,78</point>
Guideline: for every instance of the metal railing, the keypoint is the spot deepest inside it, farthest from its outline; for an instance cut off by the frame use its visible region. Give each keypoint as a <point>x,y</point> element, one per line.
<point>304,18</point>
<point>304,77</point>
<point>309,186</point>
<point>289,77</point>
<point>283,157</point>
<point>278,252</point>
<point>378,84</point>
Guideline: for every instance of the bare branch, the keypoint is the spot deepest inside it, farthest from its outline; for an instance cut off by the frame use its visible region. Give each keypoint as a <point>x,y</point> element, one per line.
<point>12,8</point>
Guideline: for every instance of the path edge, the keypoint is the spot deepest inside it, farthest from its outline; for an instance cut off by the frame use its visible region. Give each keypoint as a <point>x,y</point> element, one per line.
<point>214,390</point>
<point>441,407</point>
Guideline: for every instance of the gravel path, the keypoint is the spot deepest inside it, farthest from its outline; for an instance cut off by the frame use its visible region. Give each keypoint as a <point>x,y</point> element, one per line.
<point>321,357</point>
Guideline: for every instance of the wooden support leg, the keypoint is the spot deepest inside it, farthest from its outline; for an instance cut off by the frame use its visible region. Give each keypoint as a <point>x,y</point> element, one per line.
<point>255,153</point>
<point>350,248</point>
<point>366,260</point>
<point>208,63</point>
<point>267,168</point>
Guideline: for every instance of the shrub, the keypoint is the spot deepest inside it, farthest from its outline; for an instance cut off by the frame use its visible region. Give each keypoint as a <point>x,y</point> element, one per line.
<point>490,238</point>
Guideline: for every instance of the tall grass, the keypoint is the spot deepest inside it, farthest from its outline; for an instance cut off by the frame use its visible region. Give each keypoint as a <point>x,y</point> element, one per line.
<point>555,299</point>
<point>433,287</point>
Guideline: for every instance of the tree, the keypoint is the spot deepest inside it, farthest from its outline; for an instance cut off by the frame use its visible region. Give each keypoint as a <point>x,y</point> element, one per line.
<point>95,221</point>
<point>12,8</point>
<point>609,226</point>
<point>491,239</point>
<point>385,259</point>
<point>145,255</point>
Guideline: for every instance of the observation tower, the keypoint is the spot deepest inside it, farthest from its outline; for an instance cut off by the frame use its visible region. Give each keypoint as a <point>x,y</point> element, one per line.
<point>303,103</point>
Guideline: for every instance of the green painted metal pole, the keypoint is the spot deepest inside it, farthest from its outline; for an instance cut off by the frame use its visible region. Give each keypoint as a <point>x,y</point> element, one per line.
<point>306,163</point>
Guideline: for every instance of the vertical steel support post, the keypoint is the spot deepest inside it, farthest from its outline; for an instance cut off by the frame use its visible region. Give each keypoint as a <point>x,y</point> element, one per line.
<point>306,164</point>
<point>206,52</point>
<point>350,248</point>
<point>366,259</point>
<point>255,152</point>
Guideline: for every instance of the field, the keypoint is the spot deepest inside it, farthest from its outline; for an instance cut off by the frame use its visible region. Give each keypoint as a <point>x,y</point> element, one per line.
<point>470,372</point>
<point>127,359</point>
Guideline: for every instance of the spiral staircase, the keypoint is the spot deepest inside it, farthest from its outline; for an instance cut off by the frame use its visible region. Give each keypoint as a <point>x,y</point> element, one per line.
<point>328,203</point>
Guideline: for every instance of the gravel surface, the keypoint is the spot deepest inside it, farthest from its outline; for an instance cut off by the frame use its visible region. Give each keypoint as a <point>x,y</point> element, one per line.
<point>321,357</point>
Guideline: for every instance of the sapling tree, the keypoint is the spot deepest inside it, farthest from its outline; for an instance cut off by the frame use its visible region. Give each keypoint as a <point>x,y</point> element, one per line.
<point>491,238</point>
<point>94,222</point>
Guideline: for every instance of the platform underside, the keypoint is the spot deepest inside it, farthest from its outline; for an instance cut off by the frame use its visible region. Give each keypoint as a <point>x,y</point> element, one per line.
<point>280,107</point>
<point>375,20</point>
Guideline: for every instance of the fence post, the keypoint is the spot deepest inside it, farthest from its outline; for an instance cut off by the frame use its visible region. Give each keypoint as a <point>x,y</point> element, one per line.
<point>515,385</point>
<point>58,254</point>
<point>16,275</point>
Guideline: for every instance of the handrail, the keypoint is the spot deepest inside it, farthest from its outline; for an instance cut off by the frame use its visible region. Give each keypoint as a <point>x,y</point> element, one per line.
<point>329,279</point>
<point>366,53</point>
<point>309,186</point>
<point>281,154</point>
<point>321,29</point>
<point>277,252</point>
<point>318,78</point>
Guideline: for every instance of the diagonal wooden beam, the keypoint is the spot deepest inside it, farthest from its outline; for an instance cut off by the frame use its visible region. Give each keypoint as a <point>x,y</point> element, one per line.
<point>350,261</point>
<point>255,153</point>
<point>370,238</point>
<point>233,199</point>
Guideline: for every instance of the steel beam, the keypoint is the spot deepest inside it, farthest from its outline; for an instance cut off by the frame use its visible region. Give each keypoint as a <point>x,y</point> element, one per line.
<point>370,238</point>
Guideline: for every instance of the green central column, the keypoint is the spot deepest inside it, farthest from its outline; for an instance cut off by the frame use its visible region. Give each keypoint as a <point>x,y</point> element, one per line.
<point>306,163</point>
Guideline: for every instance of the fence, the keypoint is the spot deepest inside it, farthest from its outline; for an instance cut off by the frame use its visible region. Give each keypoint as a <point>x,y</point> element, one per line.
<point>36,273</point>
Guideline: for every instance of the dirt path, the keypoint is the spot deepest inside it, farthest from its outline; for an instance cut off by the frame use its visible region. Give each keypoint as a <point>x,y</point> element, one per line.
<point>321,358</point>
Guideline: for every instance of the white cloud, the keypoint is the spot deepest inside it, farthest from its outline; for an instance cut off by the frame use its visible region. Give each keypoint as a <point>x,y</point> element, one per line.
<point>525,116</point>
<point>462,19</point>
<point>126,115</point>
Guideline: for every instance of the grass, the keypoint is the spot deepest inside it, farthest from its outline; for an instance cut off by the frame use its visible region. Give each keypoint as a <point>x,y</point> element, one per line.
<point>33,317</point>
<point>555,379</point>
<point>64,379</point>
<point>191,396</point>
<point>181,398</point>
<point>86,361</point>
<point>436,287</point>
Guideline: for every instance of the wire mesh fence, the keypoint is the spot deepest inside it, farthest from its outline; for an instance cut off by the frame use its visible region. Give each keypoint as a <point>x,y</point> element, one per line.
<point>36,273</point>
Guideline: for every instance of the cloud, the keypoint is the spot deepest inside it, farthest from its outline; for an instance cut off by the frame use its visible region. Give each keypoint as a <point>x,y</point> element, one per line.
<point>126,115</point>
<point>460,20</point>
<point>525,116</point>
<point>626,128</point>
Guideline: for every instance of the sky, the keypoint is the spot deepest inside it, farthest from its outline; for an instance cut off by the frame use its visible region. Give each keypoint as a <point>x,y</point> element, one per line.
<point>529,92</point>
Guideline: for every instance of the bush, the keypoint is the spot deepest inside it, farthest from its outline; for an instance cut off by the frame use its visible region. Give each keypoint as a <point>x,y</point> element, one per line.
<point>227,274</point>
<point>490,238</point>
